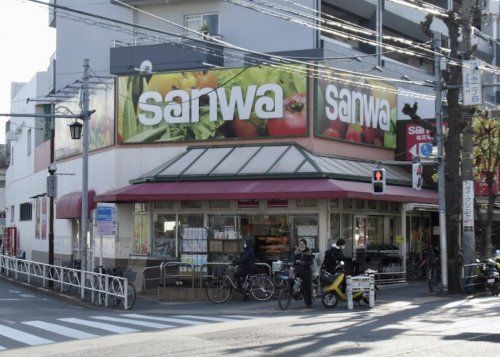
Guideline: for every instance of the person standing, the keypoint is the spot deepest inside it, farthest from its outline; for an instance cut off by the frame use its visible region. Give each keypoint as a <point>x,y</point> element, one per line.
<point>246,264</point>
<point>333,256</point>
<point>303,259</point>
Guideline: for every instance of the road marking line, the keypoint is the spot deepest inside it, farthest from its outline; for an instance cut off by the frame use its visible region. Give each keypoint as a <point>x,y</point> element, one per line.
<point>60,330</point>
<point>15,291</point>
<point>27,296</point>
<point>214,319</point>
<point>23,337</point>
<point>11,299</point>
<point>244,317</point>
<point>133,322</point>
<point>99,325</point>
<point>166,319</point>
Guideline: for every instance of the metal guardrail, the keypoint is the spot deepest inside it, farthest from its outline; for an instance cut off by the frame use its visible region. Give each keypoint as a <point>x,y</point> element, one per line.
<point>100,286</point>
<point>472,278</point>
<point>164,275</point>
<point>387,278</point>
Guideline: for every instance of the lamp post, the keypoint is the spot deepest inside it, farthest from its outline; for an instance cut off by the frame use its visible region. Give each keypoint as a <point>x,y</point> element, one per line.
<point>51,192</point>
<point>85,158</point>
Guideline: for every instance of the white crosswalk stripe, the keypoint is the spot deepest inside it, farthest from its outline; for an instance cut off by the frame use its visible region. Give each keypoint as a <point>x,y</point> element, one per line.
<point>166,319</point>
<point>100,325</point>
<point>60,330</point>
<point>133,322</point>
<point>23,337</point>
<point>207,318</point>
<point>84,328</point>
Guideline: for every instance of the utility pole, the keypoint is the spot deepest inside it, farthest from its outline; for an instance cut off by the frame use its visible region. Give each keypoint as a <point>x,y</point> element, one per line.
<point>468,235</point>
<point>85,163</point>
<point>441,178</point>
<point>380,27</point>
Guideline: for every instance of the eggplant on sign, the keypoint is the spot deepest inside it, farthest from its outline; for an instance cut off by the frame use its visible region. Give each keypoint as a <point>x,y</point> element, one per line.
<point>252,102</point>
<point>356,110</point>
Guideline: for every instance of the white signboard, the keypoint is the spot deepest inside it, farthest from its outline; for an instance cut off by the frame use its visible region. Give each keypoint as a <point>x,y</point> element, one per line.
<point>471,77</point>
<point>468,206</point>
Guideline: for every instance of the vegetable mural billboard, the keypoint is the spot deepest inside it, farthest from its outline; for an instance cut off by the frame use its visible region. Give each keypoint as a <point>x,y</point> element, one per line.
<point>102,123</point>
<point>241,103</point>
<point>357,110</point>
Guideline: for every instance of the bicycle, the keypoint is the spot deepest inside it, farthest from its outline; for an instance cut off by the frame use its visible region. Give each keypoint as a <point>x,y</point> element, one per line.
<point>293,287</point>
<point>115,285</point>
<point>220,288</point>
<point>414,267</point>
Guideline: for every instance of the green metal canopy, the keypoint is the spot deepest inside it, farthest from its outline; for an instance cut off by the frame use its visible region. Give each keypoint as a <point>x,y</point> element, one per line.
<point>265,161</point>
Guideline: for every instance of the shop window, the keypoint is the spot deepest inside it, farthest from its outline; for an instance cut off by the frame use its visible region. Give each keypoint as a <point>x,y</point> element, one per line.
<point>277,203</point>
<point>270,234</point>
<point>394,206</point>
<point>306,203</point>
<point>164,235</point>
<point>334,228</point>
<point>141,243</point>
<point>163,205</point>
<point>226,241</point>
<point>306,227</point>
<point>219,204</point>
<point>25,211</point>
<point>140,207</point>
<point>347,234</point>
<point>334,204</point>
<point>347,203</point>
<point>359,204</point>
<point>190,204</point>
<point>383,206</point>
<point>193,242</point>
<point>372,205</point>
<point>375,232</point>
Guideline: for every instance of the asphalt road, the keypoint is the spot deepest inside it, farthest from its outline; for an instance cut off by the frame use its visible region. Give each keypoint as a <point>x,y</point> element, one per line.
<point>405,321</point>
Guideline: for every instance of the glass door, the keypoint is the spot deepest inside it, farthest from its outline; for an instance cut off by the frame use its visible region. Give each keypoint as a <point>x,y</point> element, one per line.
<point>360,232</point>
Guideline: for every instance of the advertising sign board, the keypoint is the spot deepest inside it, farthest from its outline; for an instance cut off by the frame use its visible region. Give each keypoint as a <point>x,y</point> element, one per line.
<point>106,220</point>
<point>240,103</point>
<point>102,123</point>
<point>418,141</point>
<point>356,110</point>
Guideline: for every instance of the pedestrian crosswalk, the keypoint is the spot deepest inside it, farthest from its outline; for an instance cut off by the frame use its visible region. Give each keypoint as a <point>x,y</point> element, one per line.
<point>37,332</point>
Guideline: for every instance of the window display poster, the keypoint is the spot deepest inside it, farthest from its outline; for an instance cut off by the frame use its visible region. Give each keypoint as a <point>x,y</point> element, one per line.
<point>307,230</point>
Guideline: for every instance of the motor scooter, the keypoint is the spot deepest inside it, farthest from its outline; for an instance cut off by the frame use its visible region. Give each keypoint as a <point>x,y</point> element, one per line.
<point>492,276</point>
<point>333,287</point>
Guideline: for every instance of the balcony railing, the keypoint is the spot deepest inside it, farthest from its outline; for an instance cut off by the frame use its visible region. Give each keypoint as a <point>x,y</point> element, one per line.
<point>156,40</point>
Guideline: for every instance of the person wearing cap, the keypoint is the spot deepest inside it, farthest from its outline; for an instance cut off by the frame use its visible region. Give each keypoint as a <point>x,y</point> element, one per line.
<point>246,264</point>
<point>333,256</point>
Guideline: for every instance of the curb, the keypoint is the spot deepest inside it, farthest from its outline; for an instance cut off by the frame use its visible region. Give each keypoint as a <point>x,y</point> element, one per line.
<point>49,292</point>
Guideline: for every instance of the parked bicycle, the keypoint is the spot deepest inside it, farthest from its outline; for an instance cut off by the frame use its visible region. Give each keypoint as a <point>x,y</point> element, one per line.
<point>116,286</point>
<point>292,287</point>
<point>220,288</point>
<point>414,269</point>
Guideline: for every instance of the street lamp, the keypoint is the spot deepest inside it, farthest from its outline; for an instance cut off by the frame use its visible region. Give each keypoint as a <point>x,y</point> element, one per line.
<point>76,130</point>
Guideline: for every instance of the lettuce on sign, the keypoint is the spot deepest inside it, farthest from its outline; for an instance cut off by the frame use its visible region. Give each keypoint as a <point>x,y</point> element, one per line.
<point>211,105</point>
<point>356,110</point>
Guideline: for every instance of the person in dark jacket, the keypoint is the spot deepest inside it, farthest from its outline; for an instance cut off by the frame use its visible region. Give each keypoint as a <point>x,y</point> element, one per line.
<point>333,256</point>
<point>246,264</point>
<point>303,259</point>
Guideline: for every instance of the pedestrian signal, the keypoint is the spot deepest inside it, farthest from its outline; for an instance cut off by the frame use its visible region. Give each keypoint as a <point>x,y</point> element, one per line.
<point>378,181</point>
<point>417,169</point>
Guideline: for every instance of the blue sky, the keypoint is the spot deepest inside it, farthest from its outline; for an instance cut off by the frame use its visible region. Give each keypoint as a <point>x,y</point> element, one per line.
<point>27,43</point>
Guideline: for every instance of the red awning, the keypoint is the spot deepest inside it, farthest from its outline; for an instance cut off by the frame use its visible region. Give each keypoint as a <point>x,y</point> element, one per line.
<point>69,206</point>
<point>263,189</point>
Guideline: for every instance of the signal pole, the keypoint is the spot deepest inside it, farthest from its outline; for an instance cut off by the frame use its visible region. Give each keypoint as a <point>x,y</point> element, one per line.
<point>441,178</point>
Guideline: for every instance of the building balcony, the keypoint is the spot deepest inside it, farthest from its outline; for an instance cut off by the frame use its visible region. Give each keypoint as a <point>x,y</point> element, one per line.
<point>165,54</point>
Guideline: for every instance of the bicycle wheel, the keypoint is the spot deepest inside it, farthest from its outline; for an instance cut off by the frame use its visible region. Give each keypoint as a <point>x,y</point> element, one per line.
<point>431,279</point>
<point>262,288</point>
<point>284,298</point>
<point>66,281</point>
<point>218,290</point>
<point>413,271</point>
<point>56,278</point>
<point>131,295</point>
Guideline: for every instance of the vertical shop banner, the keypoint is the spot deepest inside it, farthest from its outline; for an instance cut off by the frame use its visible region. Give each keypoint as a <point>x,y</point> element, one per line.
<point>240,103</point>
<point>472,85</point>
<point>37,218</point>
<point>356,110</point>
<point>468,206</point>
<point>43,218</point>
<point>102,122</point>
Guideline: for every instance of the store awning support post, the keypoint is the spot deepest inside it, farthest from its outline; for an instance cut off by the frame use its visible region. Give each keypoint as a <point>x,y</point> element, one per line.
<point>403,233</point>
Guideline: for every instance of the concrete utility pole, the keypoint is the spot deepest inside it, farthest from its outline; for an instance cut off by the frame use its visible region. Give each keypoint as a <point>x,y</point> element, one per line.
<point>468,235</point>
<point>441,179</point>
<point>85,162</point>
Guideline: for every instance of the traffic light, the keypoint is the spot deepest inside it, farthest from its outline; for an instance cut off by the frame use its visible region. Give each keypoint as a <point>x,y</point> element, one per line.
<point>378,181</point>
<point>417,181</point>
